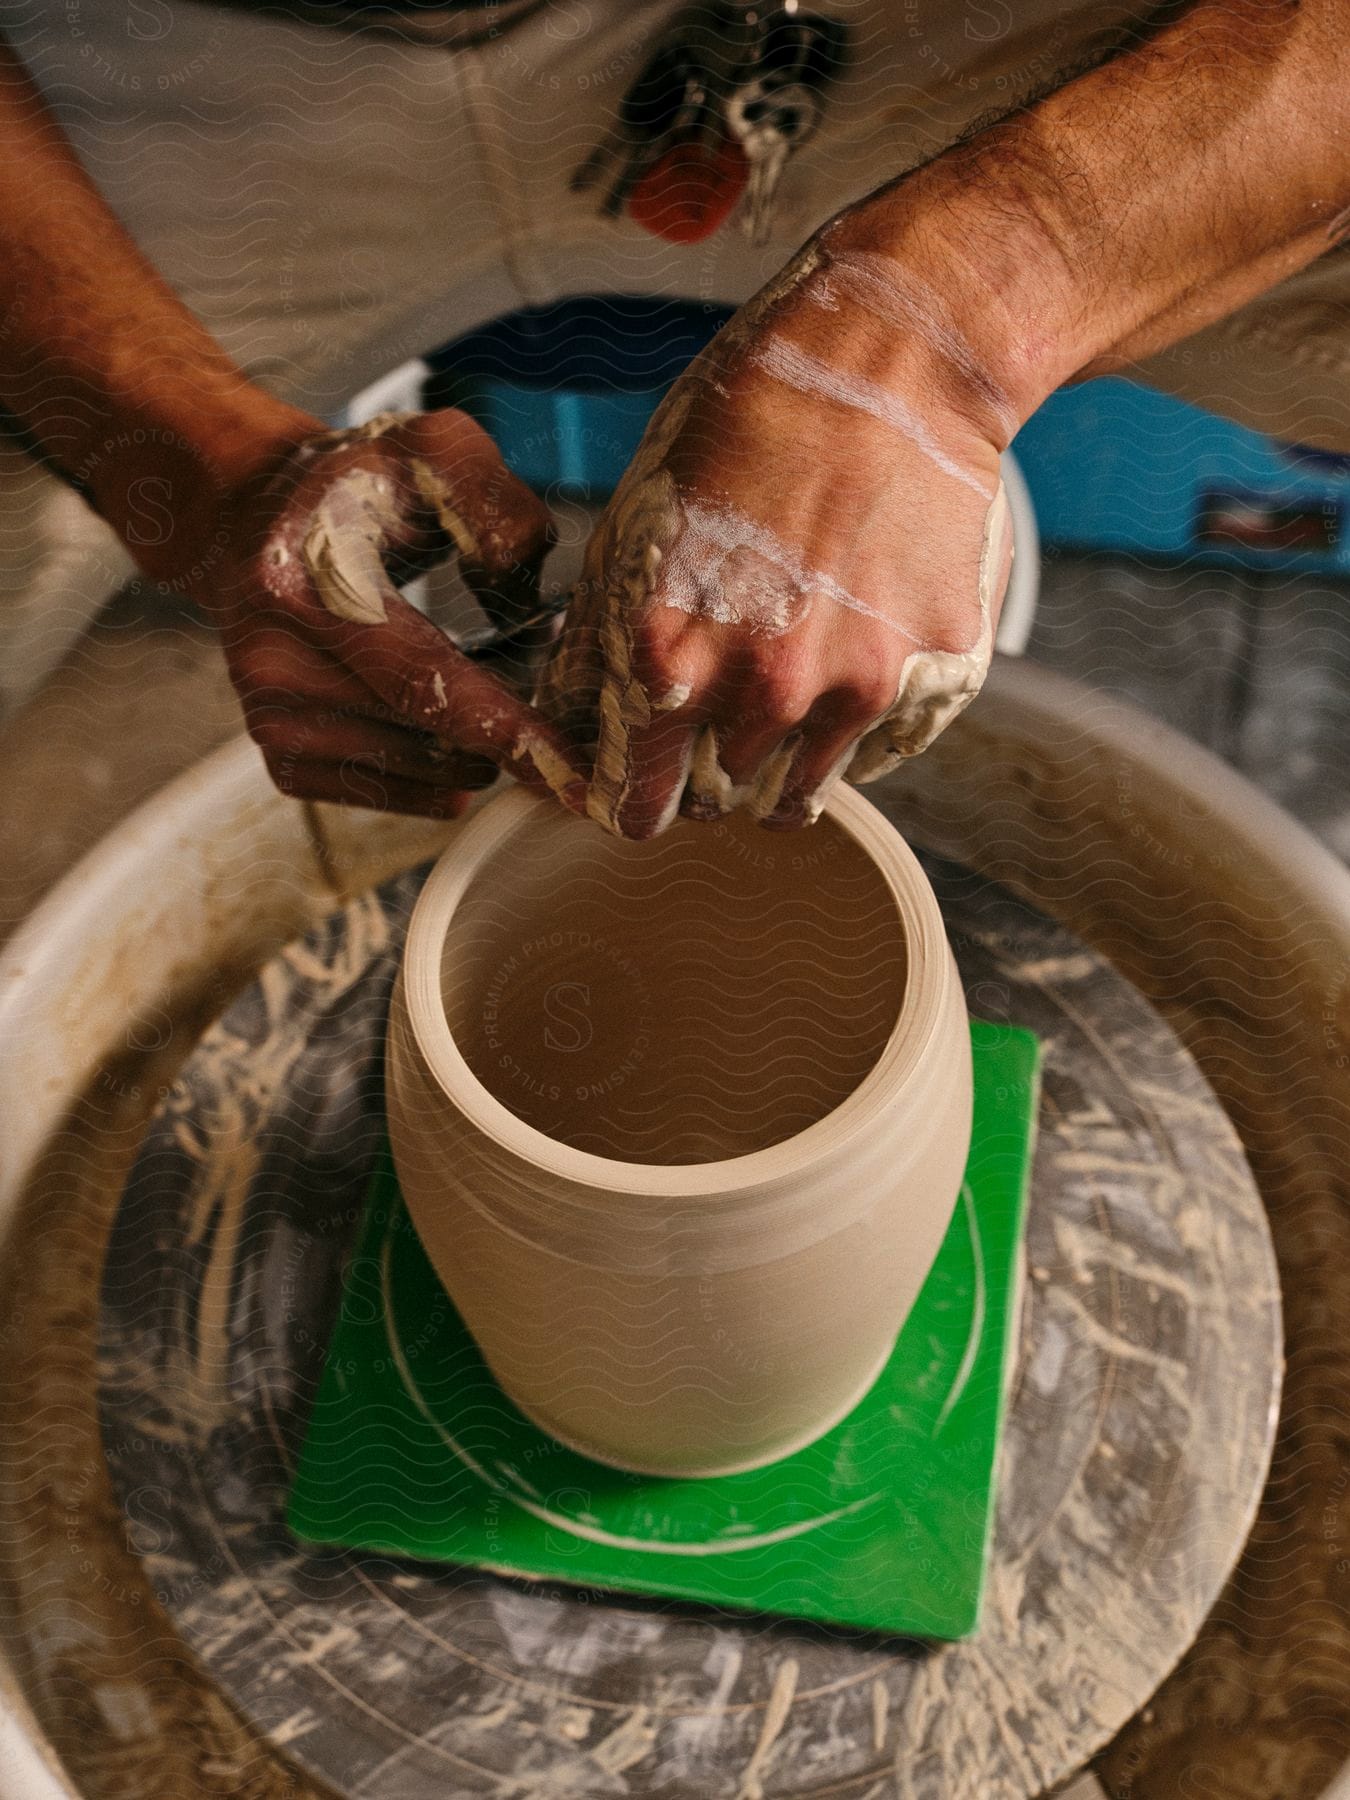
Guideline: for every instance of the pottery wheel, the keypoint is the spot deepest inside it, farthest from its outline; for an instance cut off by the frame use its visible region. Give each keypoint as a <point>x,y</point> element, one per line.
<point>1143,1403</point>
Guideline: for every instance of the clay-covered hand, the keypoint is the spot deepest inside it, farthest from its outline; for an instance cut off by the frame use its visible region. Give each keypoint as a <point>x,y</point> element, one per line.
<point>353,695</point>
<point>801,573</point>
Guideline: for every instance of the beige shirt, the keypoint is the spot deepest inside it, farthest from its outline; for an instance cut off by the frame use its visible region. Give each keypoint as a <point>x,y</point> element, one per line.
<point>330,214</point>
<point>334,203</point>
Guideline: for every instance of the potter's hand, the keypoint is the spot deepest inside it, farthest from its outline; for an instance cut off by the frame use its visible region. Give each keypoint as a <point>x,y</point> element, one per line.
<point>801,573</point>
<point>803,536</point>
<point>351,693</point>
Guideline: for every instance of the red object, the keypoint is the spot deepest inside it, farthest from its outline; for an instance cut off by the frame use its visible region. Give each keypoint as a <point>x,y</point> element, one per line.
<point>689,191</point>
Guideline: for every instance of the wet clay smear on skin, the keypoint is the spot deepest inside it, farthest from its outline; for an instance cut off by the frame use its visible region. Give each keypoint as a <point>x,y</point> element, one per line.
<point>810,375</point>
<point>936,685</point>
<point>907,303</point>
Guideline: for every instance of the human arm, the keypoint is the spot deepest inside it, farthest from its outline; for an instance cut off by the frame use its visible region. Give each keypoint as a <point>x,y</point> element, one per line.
<point>217,486</point>
<point>802,573</point>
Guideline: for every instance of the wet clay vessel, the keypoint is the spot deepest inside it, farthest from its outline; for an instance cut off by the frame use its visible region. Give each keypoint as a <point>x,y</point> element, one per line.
<point>681,1123</point>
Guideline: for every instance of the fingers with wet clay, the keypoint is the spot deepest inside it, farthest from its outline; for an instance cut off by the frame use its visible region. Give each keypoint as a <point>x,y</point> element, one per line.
<point>291,739</point>
<point>424,680</point>
<point>408,489</point>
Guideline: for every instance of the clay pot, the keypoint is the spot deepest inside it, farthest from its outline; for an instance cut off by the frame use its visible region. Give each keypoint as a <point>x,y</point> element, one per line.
<point>681,1123</point>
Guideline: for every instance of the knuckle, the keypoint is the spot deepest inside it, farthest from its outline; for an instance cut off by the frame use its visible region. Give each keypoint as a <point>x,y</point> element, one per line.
<point>661,659</point>
<point>411,698</point>
<point>659,631</point>
<point>273,735</point>
<point>531,519</point>
<point>870,694</point>
<point>779,698</point>
<point>953,626</point>
<point>950,640</point>
<point>508,532</point>
<point>275,573</point>
<point>455,432</point>
<point>267,661</point>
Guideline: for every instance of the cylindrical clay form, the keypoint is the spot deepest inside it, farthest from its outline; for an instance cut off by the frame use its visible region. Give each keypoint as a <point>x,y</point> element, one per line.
<point>681,1124</point>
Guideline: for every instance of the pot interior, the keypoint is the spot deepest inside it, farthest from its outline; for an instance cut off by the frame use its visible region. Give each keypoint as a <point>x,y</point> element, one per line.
<point>697,997</point>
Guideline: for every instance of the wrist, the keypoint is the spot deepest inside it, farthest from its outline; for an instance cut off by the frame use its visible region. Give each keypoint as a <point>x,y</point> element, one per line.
<point>165,477</point>
<point>979,272</point>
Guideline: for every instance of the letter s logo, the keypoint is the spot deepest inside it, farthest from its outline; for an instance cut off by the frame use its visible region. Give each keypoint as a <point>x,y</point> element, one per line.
<point>995,20</point>
<point>565,1005</point>
<point>149,1519</point>
<point>149,20</point>
<point>151,521</point>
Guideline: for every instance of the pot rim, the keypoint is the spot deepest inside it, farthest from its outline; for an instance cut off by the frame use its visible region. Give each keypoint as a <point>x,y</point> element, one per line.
<point>928,973</point>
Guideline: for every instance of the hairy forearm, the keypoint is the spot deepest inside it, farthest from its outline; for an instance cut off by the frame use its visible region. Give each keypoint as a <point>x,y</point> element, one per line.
<point>1134,205</point>
<point>109,376</point>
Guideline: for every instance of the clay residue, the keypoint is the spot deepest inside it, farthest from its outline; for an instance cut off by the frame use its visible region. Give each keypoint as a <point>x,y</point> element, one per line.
<point>345,543</point>
<point>373,427</point>
<point>712,792</point>
<point>432,489</point>
<point>124,1704</point>
<point>775,1717</point>
<point>619,576</point>
<point>903,300</point>
<point>346,540</point>
<point>936,685</point>
<point>798,368</point>
<point>658,546</point>
<point>727,568</point>
<point>558,775</point>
